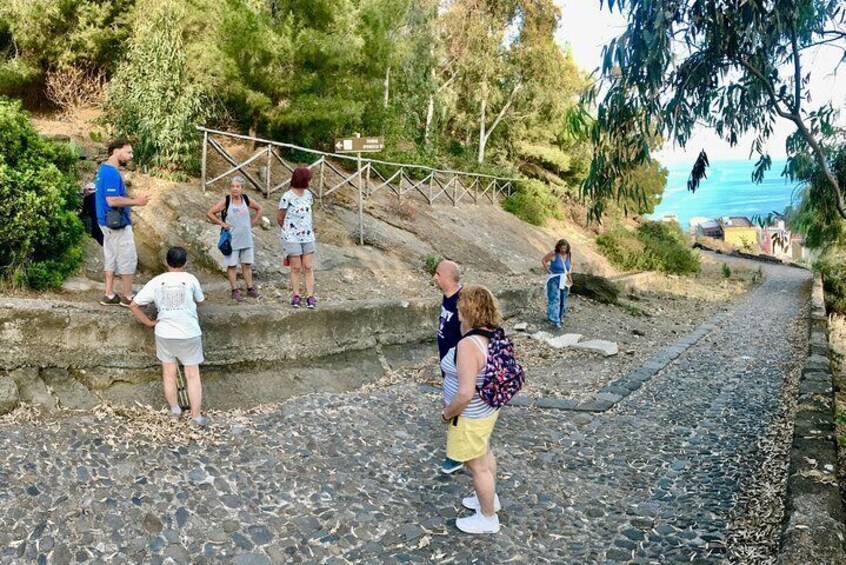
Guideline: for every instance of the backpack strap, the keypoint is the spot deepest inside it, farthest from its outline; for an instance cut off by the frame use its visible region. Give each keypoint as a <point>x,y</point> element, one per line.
<point>482,332</point>
<point>225,210</point>
<point>471,333</point>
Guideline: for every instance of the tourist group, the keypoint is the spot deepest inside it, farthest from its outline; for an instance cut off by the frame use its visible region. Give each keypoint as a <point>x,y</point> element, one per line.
<point>480,373</point>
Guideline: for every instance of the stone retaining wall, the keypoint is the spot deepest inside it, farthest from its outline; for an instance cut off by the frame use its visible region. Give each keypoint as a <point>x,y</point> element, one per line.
<point>815,528</point>
<point>76,347</point>
<point>67,334</point>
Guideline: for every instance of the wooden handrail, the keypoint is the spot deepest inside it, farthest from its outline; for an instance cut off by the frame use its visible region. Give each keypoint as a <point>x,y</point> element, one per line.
<point>342,156</point>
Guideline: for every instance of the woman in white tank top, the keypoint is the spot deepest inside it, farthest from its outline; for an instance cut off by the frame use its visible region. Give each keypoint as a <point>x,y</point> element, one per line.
<point>469,420</point>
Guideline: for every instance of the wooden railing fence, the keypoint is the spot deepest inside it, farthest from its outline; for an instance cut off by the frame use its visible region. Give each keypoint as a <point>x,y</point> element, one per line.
<point>370,175</point>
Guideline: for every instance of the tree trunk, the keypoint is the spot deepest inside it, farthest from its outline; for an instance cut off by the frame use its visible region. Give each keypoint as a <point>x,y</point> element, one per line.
<point>485,133</point>
<point>483,139</point>
<point>430,115</point>
<point>387,86</point>
<point>253,131</point>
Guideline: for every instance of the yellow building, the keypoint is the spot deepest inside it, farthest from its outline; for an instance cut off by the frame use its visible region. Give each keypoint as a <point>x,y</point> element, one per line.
<point>739,232</point>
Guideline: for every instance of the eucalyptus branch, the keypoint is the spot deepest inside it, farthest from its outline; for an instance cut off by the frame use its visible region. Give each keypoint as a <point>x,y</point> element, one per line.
<point>837,33</point>
<point>770,89</point>
<point>825,43</point>
<point>797,69</point>
<point>506,106</point>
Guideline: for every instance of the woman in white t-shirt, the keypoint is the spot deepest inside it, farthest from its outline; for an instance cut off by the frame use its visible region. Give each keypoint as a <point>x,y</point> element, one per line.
<point>298,241</point>
<point>176,295</point>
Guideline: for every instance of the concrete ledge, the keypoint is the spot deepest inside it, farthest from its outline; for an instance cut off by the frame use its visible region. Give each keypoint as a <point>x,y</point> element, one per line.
<point>42,333</point>
<point>815,524</point>
<point>85,351</point>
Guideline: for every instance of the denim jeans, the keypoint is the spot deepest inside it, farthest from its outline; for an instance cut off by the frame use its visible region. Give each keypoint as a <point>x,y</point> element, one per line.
<point>556,301</point>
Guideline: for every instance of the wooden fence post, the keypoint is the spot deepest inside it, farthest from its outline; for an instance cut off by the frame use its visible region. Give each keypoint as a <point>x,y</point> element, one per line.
<point>360,205</point>
<point>269,183</point>
<point>322,179</point>
<point>367,181</point>
<point>205,156</point>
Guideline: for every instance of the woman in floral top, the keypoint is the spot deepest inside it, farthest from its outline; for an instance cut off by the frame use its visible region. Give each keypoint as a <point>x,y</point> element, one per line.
<point>298,241</point>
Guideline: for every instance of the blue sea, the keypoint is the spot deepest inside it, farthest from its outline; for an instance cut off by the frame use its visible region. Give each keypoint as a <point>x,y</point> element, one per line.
<point>728,191</point>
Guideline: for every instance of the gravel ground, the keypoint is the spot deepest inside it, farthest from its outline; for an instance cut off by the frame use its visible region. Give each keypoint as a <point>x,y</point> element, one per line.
<point>664,477</point>
<point>649,319</point>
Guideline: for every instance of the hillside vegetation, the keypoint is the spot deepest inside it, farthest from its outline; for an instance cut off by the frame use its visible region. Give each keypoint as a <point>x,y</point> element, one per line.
<point>478,85</point>
<point>39,197</point>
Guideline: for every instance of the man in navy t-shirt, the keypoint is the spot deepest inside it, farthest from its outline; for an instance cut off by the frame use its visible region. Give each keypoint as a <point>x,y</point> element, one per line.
<point>449,328</point>
<point>119,255</point>
<point>447,277</point>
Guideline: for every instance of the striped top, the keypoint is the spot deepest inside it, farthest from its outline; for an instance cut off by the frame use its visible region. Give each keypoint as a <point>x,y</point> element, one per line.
<point>477,407</point>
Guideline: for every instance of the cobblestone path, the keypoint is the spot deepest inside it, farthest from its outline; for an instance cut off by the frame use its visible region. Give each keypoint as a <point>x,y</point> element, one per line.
<point>353,477</point>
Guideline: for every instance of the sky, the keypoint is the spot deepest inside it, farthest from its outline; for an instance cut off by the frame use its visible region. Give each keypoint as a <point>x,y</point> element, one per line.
<point>586,29</point>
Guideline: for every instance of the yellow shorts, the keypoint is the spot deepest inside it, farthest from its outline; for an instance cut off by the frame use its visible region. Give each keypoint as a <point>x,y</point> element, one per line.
<point>468,439</point>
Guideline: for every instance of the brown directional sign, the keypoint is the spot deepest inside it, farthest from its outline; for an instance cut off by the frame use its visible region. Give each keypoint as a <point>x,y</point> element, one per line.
<point>360,144</point>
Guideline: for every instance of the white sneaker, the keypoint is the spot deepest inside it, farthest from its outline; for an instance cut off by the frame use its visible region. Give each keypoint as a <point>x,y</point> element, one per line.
<point>478,523</point>
<point>200,421</point>
<point>472,503</point>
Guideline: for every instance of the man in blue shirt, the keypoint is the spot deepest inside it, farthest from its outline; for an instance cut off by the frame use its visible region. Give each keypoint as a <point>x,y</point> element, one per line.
<point>120,257</point>
<point>447,277</point>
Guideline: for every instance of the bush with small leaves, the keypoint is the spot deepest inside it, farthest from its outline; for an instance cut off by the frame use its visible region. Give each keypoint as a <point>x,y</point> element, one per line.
<point>39,199</point>
<point>533,201</point>
<point>430,263</point>
<point>654,246</point>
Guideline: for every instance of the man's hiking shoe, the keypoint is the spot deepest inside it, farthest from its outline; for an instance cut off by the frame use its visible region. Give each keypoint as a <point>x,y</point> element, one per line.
<point>296,302</point>
<point>253,293</point>
<point>175,413</point>
<point>200,421</point>
<point>478,523</point>
<point>126,301</point>
<point>113,301</point>
<point>236,295</point>
<point>448,467</point>
<point>472,503</point>
<point>311,302</point>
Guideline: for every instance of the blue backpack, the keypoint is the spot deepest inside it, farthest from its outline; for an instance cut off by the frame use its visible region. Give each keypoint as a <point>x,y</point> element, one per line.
<point>224,242</point>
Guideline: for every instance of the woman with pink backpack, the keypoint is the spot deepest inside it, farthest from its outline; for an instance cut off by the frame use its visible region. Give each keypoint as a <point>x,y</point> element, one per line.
<point>480,376</point>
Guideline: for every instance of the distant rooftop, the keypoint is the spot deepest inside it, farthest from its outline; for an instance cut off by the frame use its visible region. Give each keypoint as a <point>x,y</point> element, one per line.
<point>709,224</point>
<point>736,222</point>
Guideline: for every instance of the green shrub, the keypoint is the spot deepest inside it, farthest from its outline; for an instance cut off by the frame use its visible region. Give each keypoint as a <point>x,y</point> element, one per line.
<point>430,263</point>
<point>152,98</point>
<point>534,202</point>
<point>654,246</point>
<point>834,284</point>
<point>625,250</point>
<point>726,271</point>
<point>39,198</point>
<point>548,156</point>
<point>668,244</point>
